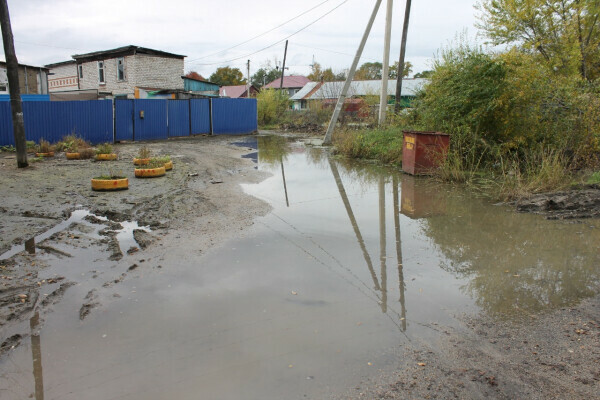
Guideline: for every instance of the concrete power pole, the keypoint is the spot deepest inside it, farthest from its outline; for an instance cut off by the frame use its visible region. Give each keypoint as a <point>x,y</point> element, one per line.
<point>386,63</point>
<point>12,70</point>
<point>401,60</point>
<point>342,98</point>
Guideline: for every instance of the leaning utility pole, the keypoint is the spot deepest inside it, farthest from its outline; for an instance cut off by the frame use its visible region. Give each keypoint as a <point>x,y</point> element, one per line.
<point>401,61</point>
<point>386,63</point>
<point>12,71</point>
<point>340,102</point>
<point>283,68</point>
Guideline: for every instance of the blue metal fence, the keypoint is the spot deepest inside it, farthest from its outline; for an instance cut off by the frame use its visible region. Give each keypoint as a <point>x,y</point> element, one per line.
<point>234,116</point>
<point>139,119</point>
<point>179,118</point>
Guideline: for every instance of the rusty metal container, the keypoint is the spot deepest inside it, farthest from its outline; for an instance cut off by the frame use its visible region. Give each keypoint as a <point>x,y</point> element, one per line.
<point>422,152</point>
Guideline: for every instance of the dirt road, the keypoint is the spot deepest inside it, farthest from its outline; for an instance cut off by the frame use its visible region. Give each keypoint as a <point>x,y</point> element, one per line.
<point>555,355</point>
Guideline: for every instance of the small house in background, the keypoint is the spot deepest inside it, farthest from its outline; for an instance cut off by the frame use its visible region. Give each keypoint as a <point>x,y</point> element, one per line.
<point>200,86</point>
<point>116,73</point>
<point>32,80</point>
<point>238,91</point>
<point>291,84</point>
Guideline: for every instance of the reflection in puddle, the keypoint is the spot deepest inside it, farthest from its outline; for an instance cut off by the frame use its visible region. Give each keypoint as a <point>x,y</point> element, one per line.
<point>125,235</point>
<point>36,354</point>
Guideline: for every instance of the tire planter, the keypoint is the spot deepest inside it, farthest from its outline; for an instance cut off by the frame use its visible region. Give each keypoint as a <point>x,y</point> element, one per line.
<point>169,165</point>
<point>141,161</point>
<point>73,156</point>
<point>110,184</point>
<point>49,154</point>
<point>106,157</point>
<point>149,172</point>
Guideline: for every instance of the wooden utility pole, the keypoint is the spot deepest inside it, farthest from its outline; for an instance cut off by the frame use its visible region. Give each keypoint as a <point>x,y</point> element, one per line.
<point>12,71</point>
<point>248,85</point>
<point>386,63</point>
<point>342,98</point>
<point>401,60</point>
<point>283,68</point>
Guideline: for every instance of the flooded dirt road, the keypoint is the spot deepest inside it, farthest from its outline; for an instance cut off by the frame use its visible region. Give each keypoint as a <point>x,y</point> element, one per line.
<point>359,283</point>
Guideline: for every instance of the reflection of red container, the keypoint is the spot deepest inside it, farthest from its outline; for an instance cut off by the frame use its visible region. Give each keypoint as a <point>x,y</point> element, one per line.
<point>422,198</point>
<point>422,152</point>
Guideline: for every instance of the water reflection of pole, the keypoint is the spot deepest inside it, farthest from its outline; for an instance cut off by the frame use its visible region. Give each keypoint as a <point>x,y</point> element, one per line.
<point>359,237</point>
<point>36,354</point>
<point>399,250</point>
<point>284,185</point>
<point>382,244</point>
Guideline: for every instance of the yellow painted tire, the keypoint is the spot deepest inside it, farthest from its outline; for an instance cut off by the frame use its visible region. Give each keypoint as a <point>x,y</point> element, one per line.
<point>49,154</point>
<point>72,156</point>
<point>110,184</point>
<point>149,172</point>
<point>169,165</point>
<point>106,157</point>
<point>141,161</point>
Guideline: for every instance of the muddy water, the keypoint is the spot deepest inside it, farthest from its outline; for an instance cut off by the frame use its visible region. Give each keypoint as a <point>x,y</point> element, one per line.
<point>352,264</point>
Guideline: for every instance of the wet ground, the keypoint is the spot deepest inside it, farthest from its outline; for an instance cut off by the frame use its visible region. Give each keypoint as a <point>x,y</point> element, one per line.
<point>360,282</point>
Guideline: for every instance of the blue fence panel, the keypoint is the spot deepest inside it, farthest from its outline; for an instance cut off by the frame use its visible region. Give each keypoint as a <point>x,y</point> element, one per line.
<point>123,120</point>
<point>234,116</point>
<point>7,136</point>
<point>27,97</point>
<point>179,118</point>
<point>91,120</point>
<point>153,125</point>
<point>200,116</point>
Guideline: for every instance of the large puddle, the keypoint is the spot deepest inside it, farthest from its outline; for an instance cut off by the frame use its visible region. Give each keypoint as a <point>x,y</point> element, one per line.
<point>353,263</point>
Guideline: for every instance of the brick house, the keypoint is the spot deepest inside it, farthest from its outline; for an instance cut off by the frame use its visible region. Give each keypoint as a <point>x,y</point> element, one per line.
<point>32,80</point>
<point>124,72</point>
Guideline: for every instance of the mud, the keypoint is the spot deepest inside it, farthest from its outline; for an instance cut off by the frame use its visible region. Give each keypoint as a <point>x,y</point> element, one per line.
<point>574,204</point>
<point>37,199</point>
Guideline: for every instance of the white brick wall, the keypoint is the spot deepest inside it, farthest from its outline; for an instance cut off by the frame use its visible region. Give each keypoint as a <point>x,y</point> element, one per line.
<point>64,77</point>
<point>141,70</point>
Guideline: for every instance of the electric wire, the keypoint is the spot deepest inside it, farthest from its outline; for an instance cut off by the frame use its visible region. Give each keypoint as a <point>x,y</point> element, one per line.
<point>262,34</point>
<point>278,42</point>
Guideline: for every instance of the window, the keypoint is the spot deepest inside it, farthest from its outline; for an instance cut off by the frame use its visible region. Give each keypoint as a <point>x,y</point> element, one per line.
<point>101,79</point>
<point>80,71</point>
<point>120,69</point>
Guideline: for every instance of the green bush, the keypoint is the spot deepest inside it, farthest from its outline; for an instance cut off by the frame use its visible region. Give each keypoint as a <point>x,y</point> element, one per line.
<point>271,105</point>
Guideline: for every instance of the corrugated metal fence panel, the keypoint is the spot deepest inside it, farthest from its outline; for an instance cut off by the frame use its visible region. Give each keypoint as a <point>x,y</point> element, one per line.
<point>27,97</point>
<point>200,115</point>
<point>91,120</point>
<point>179,118</point>
<point>154,124</point>
<point>7,136</point>
<point>123,120</point>
<point>234,116</point>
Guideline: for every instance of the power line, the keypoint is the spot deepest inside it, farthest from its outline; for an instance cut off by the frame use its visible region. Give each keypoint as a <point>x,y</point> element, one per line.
<point>48,45</point>
<point>262,34</point>
<point>280,41</point>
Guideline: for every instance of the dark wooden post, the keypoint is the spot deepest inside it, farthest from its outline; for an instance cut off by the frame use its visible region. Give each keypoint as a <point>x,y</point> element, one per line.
<point>401,61</point>
<point>12,71</point>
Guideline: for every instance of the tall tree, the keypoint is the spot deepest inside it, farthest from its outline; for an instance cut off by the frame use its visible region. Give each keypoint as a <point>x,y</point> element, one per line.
<point>12,70</point>
<point>227,76</point>
<point>326,75</point>
<point>194,75</point>
<point>394,70</point>
<point>565,33</point>
<point>264,76</point>
<point>369,71</point>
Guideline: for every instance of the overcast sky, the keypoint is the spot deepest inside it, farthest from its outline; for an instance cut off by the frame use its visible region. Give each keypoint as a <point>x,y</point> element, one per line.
<point>48,31</point>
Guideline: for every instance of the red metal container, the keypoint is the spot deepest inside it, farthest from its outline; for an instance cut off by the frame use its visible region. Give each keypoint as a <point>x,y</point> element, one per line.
<point>422,152</point>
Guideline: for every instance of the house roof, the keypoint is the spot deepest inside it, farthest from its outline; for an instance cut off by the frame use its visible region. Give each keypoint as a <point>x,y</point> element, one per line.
<point>289,82</point>
<point>199,80</point>
<point>306,91</point>
<point>123,51</point>
<point>61,63</point>
<point>330,90</point>
<point>24,65</point>
<point>234,91</point>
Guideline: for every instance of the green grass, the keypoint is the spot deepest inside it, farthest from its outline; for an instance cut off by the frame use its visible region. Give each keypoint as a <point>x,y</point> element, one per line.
<point>384,144</point>
<point>594,178</point>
